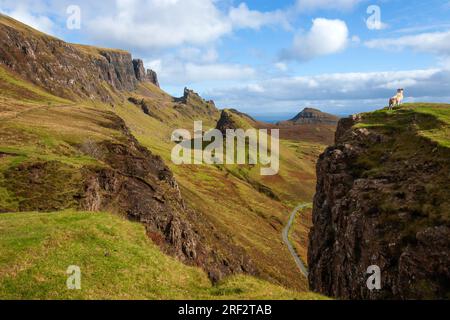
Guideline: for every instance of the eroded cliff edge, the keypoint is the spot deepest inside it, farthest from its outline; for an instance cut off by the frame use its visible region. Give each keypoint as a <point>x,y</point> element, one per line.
<point>383,199</point>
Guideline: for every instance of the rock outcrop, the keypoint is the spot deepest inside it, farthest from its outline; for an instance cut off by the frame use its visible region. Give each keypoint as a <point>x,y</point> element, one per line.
<point>233,119</point>
<point>67,70</point>
<point>382,199</point>
<point>143,75</point>
<point>152,76</point>
<point>192,105</point>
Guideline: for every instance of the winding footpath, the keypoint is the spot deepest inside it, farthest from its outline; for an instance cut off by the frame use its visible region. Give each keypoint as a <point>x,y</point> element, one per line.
<point>286,240</point>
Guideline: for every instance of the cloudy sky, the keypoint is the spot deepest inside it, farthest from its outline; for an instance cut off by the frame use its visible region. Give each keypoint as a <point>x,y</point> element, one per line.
<point>269,58</point>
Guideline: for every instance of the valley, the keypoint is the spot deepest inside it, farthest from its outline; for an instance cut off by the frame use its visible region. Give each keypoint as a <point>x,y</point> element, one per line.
<point>105,146</point>
<point>87,180</point>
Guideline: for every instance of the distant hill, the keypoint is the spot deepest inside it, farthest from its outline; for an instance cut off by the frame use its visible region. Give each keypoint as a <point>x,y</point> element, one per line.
<point>312,116</point>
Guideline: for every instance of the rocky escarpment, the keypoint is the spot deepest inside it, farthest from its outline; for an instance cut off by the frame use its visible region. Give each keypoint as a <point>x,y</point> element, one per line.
<point>382,199</point>
<point>68,70</point>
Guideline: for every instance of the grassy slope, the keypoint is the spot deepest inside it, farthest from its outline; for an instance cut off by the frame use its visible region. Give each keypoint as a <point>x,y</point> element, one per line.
<point>429,120</point>
<point>252,219</point>
<point>39,127</point>
<point>117,261</point>
<point>46,128</point>
<point>420,133</point>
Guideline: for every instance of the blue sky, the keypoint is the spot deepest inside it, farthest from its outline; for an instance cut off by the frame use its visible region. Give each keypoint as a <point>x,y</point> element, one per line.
<point>270,58</point>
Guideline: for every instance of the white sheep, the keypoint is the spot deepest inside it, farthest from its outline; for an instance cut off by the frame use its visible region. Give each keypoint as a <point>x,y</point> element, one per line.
<point>397,99</point>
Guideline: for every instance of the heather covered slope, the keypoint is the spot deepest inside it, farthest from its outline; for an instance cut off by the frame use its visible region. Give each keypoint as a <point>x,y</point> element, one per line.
<point>383,199</point>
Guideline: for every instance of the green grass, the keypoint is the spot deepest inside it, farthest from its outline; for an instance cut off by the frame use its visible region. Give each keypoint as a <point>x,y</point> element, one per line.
<point>117,261</point>
<point>429,120</point>
<point>13,87</point>
<point>415,139</point>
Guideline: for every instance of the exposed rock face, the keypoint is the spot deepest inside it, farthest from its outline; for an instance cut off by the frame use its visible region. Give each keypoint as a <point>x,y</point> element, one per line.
<point>381,201</point>
<point>230,119</point>
<point>313,116</point>
<point>141,186</point>
<point>193,106</point>
<point>152,77</point>
<point>67,70</point>
<point>139,70</point>
<point>143,75</point>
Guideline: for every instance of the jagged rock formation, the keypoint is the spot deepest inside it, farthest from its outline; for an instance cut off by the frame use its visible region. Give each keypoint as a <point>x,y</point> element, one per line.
<point>382,199</point>
<point>192,97</point>
<point>67,70</point>
<point>197,105</point>
<point>313,116</point>
<point>152,76</point>
<point>233,119</point>
<point>144,75</point>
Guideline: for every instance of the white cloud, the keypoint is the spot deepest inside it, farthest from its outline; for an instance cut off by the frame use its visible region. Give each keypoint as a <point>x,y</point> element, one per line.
<point>356,39</point>
<point>313,5</point>
<point>281,66</point>
<point>196,72</point>
<point>174,71</point>
<point>255,88</point>
<point>325,37</point>
<point>243,17</point>
<point>434,42</point>
<point>38,22</point>
<point>148,24</point>
<point>155,65</point>
<point>347,90</point>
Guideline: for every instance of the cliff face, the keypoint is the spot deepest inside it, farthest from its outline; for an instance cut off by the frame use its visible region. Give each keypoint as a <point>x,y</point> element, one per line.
<point>67,70</point>
<point>144,75</point>
<point>382,199</point>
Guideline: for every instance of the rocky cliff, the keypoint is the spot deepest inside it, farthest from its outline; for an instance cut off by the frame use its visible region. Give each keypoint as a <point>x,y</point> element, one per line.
<point>383,199</point>
<point>67,70</point>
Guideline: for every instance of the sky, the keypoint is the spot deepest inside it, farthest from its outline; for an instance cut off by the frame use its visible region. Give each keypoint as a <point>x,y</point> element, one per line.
<point>269,58</point>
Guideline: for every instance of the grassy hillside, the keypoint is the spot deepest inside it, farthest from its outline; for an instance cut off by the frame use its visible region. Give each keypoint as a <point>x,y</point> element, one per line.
<point>419,142</point>
<point>47,131</point>
<point>429,120</point>
<point>117,261</point>
<point>240,203</point>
